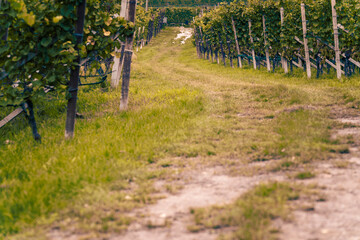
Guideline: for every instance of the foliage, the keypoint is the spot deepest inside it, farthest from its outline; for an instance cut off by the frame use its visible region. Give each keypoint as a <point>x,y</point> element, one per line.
<point>41,49</point>
<point>178,15</point>
<point>143,19</point>
<point>349,12</point>
<point>184,3</point>
<point>281,38</point>
<point>39,180</point>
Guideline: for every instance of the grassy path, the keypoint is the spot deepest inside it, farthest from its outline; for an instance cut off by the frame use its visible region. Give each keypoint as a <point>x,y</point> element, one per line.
<point>185,115</point>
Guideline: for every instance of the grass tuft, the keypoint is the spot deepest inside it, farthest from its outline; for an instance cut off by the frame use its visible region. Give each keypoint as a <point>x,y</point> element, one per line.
<point>304,175</point>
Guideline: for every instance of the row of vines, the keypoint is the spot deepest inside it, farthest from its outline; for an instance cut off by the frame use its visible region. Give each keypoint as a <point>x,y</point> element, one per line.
<point>41,45</point>
<point>275,32</point>
<point>181,15</point>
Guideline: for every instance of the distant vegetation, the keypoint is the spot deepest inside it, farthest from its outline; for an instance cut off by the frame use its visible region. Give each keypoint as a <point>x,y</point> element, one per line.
<point>183,3</point>
<point>181,15</point>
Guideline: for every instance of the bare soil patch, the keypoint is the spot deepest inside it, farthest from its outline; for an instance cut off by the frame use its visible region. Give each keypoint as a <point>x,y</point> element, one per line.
<point>169,217</point>
<point>338,217</point>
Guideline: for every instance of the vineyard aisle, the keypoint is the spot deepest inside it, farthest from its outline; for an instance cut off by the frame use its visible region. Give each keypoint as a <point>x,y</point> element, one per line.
<point>208,152</point>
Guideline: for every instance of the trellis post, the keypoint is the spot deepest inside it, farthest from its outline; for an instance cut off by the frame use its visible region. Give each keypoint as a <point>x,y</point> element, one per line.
<point>266,46</point>
<point>119,60</point>
<point>202,46</point>
<point>229,47</point>
<point>198,50</point>
<point>138,39</point>
<point>284,62</point>
<point>127,58</point>
<point>142,37</point>
<point>74,74</point>
<point>306,48</point>
<point>222,49</point>
<point>336,39</point>
<point>252,46</point>
<point>236,43</point>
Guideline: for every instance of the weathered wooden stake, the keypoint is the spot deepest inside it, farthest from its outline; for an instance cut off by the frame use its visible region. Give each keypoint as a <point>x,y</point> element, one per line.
<point>74,74</point>
<point>197,43</point>
<point>229,47</point>
<point>217,56</point>
<point>202,44</point>
<point>336,39</point>
<point>266,46</point>
<point>207,50</point>
<point>127,59</point>
<point>252,46</point>
<point>236,43</point>
<point>306,48</point>
<point>138,41</point>
<point>284,62</point>
<point>222,49</point>
<point>142,39</point>
<point>119,60</point>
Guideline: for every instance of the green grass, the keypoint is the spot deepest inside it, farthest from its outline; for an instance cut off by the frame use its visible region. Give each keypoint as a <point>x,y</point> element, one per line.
<point>304,175</point>
<point>109,151</point>
<point>180,106</point>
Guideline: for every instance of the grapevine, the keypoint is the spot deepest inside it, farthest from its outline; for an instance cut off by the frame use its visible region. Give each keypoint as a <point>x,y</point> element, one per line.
<point>286,40</point>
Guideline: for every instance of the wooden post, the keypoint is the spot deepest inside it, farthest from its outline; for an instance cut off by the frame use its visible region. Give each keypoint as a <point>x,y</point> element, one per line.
<point>74,74</point>
<point>138,39</point>
<point>222,49</point>
<point>146,5</point>
<point>127,59</point>
<point>236,43</point>
<point>266,46</point>
<point>148,32</point>
<point>306,48</point>
<point>198,50</point>
<point>229,47</point>
<point>202,44</point>
<point>252,46</point>
<point>207,50</point>
<point>119,60</point>
<point>123,9</point>
<point>336,39</point>
<point>284,62</point>
<point>142,38</point>
<point>152,28</point>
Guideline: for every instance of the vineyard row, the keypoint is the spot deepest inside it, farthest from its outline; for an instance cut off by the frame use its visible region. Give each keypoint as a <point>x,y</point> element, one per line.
<point>56,47</point>
<point>307,34</point>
